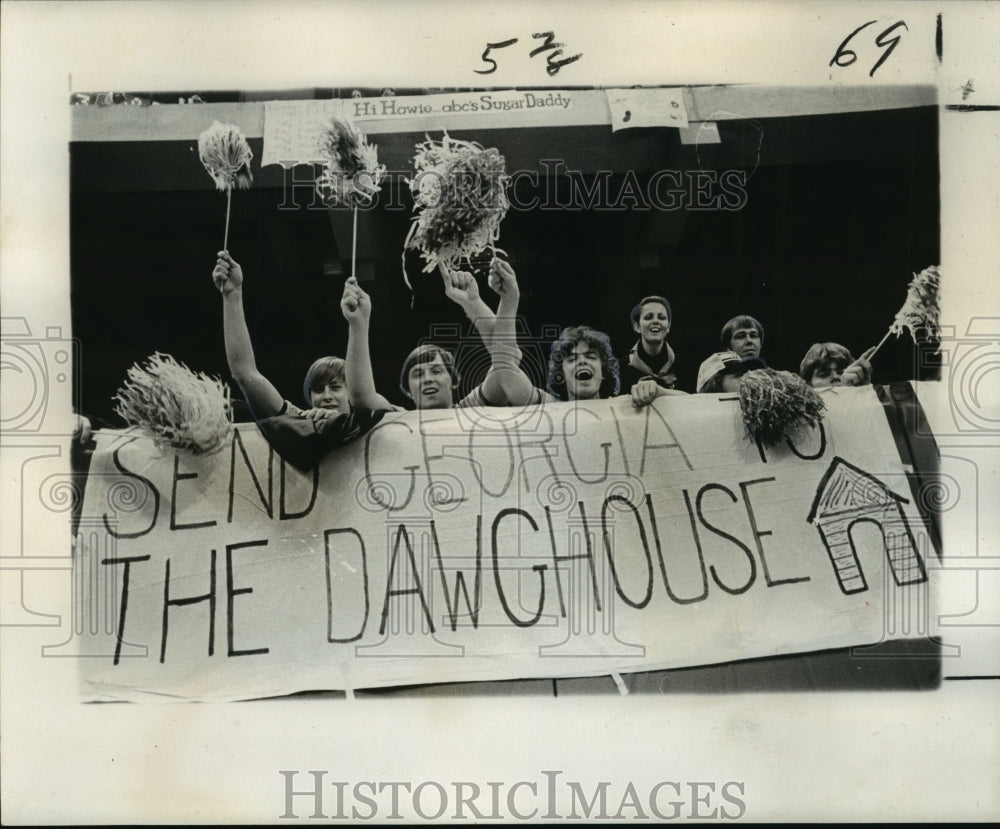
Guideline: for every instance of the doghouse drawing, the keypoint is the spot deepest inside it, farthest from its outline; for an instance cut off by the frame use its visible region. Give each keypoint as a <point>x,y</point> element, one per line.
<point>848,496</point>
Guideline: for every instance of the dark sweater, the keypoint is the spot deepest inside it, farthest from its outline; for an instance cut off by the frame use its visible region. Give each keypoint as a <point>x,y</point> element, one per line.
<point>303,442</point>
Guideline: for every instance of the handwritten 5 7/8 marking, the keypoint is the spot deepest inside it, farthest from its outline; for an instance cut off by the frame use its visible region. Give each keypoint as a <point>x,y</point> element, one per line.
<point>845,57</point>
<point>549,45</point>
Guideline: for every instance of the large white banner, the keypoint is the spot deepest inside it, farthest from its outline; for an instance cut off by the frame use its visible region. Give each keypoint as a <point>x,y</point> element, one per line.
<point>483,544</point>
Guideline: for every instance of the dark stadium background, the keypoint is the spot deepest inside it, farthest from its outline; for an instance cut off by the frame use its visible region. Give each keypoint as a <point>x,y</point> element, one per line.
<point>841,210</point>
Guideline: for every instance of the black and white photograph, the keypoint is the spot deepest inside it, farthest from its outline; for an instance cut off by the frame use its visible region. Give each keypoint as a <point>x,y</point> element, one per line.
<point>437,413</point>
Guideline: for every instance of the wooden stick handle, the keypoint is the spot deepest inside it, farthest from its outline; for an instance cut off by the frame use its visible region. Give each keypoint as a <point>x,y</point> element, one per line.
<point>225,240</point>
<point>354,244</point>
<point>881,343</point>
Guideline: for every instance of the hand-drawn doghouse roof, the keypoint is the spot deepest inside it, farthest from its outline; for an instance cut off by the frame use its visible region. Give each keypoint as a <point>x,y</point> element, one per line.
<point>846,489</point>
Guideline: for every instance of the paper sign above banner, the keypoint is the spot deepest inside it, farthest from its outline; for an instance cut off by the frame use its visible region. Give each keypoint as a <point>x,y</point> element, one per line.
<point>183,122</point>
<point>292,128</point>
<point>647,108</point>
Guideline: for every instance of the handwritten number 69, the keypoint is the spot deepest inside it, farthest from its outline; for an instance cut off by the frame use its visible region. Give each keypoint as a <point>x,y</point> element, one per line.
<point>845,57</point>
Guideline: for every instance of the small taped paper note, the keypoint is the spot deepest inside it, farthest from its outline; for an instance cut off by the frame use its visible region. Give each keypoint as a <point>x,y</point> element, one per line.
<point>646,108</point>
<point>293,130</point>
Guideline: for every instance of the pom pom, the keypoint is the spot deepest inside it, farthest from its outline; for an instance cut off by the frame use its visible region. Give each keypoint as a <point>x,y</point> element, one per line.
<point>776,403</point>
<point>351,172</point>
<point>922,308</point>
<point>226,155</point>
<point>175,407</point>
<point>460,192</point>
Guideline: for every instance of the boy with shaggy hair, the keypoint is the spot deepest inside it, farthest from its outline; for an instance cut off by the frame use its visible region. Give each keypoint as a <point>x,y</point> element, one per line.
<point>831,364</point>
<point>582,366</point>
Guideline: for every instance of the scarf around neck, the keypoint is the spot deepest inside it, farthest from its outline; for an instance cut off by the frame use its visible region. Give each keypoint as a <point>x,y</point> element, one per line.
<point>636,360</point>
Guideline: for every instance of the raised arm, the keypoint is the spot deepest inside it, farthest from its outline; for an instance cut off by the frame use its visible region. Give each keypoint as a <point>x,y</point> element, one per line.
<point>263,397</point>
<point>462,289</point>
<point>356,306</point>
<point>506,372</point>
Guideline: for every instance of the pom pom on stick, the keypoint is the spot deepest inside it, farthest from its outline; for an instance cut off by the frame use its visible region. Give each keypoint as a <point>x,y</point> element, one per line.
<point>776,403</point>
<point>176,407</point>
<point>226,156</point>
<point>921,310</point>
<point>459,191</point>
<point>351,173</point>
